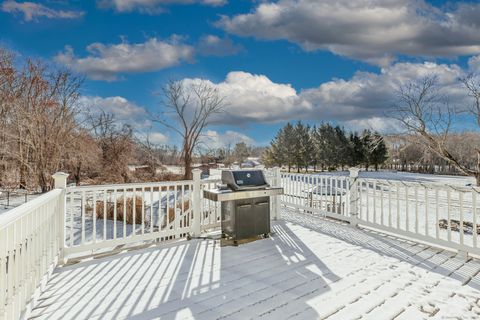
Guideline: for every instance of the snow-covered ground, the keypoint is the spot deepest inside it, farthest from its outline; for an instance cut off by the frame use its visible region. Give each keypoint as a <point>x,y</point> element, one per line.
<point>310,269</point>
<point>407,176</point>
<point>15,199</point>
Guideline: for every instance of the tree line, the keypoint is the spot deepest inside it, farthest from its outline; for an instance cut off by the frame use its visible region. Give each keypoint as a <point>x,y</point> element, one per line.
<point>407,153</point>
<point>325,147</point>
<point>43,130</point>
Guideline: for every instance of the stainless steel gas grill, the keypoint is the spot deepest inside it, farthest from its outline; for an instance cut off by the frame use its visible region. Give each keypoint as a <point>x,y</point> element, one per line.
<point>245,203</point>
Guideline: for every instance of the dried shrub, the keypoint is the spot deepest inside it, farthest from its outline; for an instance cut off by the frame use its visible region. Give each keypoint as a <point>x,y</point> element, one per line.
<point>129,203</point>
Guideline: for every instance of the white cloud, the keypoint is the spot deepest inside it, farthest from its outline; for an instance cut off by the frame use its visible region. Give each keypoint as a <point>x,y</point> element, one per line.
<point>158,138</point>
<point>255,98</point>
<point>123,110</point>
<point>369,94</point>
<point>151,6</point>
<point>33,11</point>
<point>106,62</point>
<point>474,63</point>
<point>366,98</point>
<point>370,30</point>
<point>380,124</point>
<point>213,139</point>
<point>211,45</point>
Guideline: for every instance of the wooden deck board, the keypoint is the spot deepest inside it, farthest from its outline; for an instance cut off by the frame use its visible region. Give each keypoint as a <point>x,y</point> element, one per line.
<point>310,268</point>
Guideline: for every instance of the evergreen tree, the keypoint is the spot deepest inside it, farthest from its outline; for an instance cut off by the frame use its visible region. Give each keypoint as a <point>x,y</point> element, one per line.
<point>357,150</point>
<point>342,148</point>
<point>326,146</point>
<point>368,146</point>
<point>289,145</point>
<point>241,152</point>
<point>304,149</point>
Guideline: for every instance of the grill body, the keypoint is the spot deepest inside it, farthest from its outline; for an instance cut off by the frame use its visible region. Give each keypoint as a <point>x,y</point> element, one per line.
<point>245,203</point>
<point>246,218</point>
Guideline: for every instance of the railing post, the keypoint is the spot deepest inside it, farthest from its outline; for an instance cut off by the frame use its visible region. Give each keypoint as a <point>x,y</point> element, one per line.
<point>60,182</point>
<point>197,202</point>
<point>277,181</point>
<point>353,196</point>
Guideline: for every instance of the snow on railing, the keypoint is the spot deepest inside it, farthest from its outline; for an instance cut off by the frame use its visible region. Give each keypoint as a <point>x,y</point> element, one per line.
<point>31,242</point>
<point>443,215</point>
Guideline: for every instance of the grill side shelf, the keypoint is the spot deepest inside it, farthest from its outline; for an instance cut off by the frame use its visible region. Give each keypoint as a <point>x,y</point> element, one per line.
<point>222,195</point>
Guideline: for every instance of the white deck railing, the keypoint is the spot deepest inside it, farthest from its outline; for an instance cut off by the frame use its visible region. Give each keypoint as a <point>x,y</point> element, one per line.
<point>77,220</point>
<point>31,242</point>
<point>442,215</point>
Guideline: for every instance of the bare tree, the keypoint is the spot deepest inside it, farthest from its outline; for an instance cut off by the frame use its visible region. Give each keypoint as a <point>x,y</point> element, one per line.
<point>150,154</point>
<point>116,144</point>
<point>427,116</point>
<point>189,110</point>
<point>84,157</point>
<point>38,118</point>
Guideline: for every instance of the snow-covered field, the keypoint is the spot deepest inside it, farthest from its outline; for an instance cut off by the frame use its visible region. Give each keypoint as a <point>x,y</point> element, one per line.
<point>309,269</point>
<point>14,200</point>
<point>406,176</point>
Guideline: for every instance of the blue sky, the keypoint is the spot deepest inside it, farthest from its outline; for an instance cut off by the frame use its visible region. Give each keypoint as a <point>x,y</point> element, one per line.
<point>276,61</point>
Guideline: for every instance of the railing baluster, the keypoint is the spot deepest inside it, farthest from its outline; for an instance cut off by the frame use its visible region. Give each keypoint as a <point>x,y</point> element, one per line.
<point>297,190</point>
<point>167,196</point>
<point>426,211</point>
<point>449,227</point>
<point>407,207</point>
<point>3,273</point>
<point>177,217</point>
<point>460,195</point>
<point>71,220</point>
<point>151,208</point>
<point>143,210</point>
<point>389,205</point>
<point>94,216</point>
<point>397,188</point>
<point>134,210</point>
<point>437,214</point>
<point>114,195</point>
<point>381,204</point>
<point>83,217</point>
<point>474,218</point>
<point>124,235</point>
<point>183,206</point>
<point>360,199</point>
<point>105,235</point>
<point>321,196</point>
<point>416,209</point>
<point>374,201</point>
<point>367,191</point>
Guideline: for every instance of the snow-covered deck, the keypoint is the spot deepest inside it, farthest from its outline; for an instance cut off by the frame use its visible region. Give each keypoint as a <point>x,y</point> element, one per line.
<point>311,268</point>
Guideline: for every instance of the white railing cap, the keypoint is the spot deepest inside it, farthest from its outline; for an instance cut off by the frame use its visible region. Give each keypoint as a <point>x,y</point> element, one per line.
<point>354,171</point>
<point>24,209</point>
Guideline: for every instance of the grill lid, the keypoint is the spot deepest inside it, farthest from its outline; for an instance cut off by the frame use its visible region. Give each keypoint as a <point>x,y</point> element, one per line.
<point>244,179</point>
